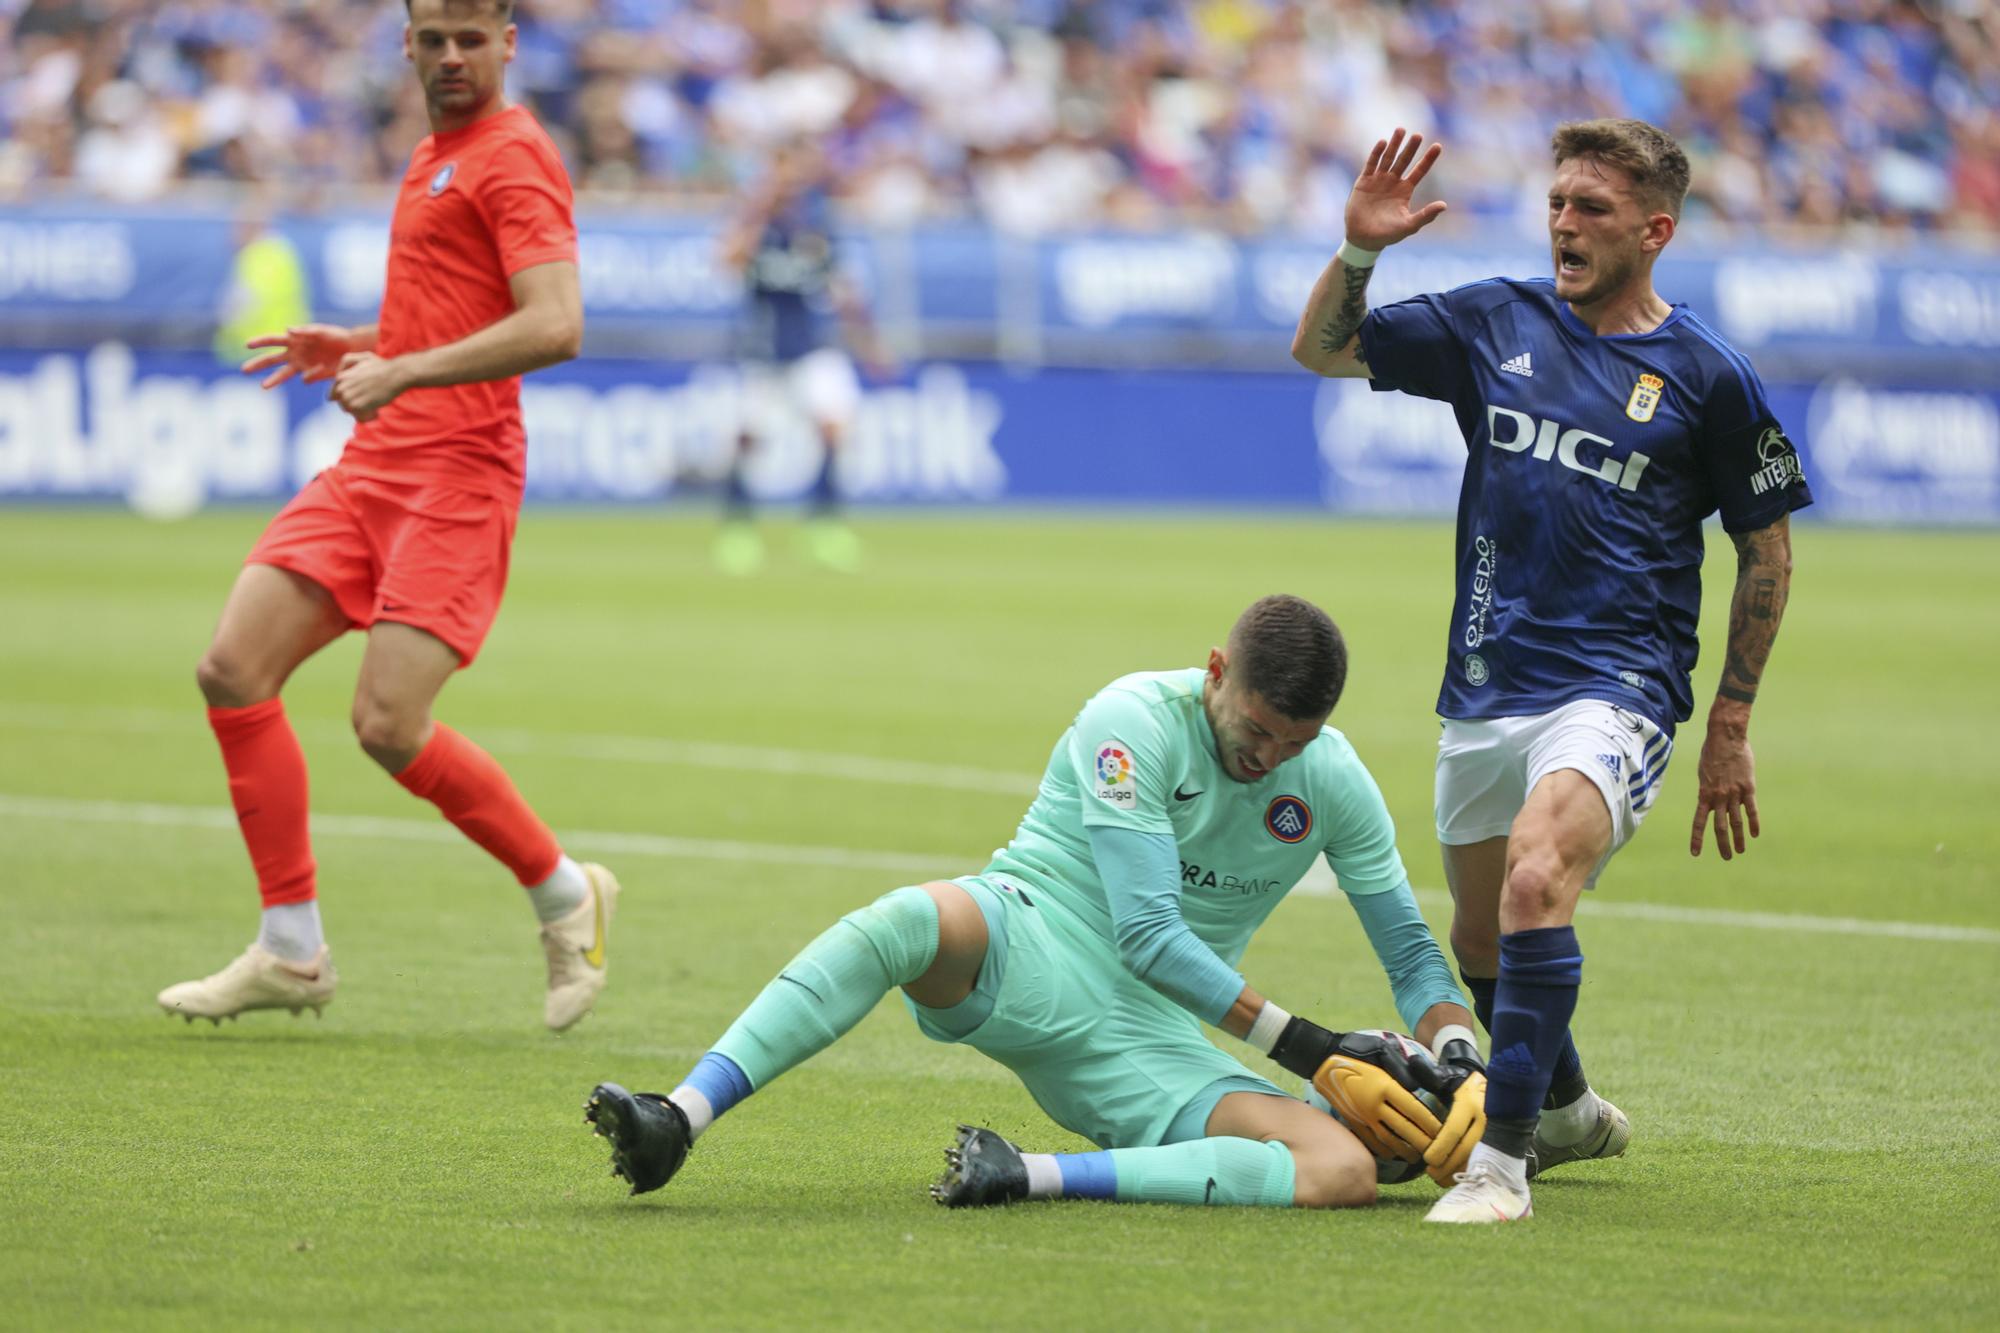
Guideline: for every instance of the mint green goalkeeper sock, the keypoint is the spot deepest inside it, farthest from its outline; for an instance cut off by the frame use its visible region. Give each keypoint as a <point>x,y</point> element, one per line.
<point>833,984</point>
<point>1239,1172</point>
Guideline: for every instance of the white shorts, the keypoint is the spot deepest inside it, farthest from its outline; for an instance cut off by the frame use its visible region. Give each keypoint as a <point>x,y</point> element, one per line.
<point>821,385</point>
<point>1486,769</point>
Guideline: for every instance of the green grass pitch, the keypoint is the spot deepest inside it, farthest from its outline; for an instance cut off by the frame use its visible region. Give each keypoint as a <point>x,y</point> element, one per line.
<point>1814,1098</point>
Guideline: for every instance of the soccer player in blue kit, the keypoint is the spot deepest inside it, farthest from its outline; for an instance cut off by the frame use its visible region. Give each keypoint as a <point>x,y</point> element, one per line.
<point>1602,426</point>
<point>1176,811</point>
<point>794,289</point>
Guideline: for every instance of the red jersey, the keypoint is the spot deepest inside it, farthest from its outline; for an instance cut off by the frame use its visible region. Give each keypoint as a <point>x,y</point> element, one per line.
<point>476,207</point>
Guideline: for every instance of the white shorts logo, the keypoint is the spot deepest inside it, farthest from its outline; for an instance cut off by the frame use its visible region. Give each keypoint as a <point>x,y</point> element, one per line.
<point>1475,669</point>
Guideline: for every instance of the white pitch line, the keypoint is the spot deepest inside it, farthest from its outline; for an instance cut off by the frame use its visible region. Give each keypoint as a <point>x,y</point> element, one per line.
<point>1318,884</point>
<point>417,830</point>
<point>613,749</point>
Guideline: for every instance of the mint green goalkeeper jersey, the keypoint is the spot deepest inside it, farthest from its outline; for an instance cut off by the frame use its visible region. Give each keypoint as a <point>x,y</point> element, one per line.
<point>1141,756</point>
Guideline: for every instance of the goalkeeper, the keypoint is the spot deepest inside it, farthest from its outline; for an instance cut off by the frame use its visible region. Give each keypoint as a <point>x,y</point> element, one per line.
<point>1176,812</point>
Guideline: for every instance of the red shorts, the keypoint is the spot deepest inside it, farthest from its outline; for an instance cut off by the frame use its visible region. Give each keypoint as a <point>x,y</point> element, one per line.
<point>429,556</point>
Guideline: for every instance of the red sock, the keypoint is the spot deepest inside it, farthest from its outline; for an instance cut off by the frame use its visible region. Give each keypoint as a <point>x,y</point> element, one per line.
<point>474,792</point>
<point>267,785</point>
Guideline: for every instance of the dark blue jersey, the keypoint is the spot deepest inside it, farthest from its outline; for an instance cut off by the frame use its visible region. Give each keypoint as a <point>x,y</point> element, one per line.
<point>790,279</point>
<point>1592,463</point>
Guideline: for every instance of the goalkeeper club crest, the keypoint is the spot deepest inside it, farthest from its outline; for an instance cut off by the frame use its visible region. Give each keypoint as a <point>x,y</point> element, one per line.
<point>1645,399</point>
<point>1289,819</point>
<point>1117,779</point>
<point>443,178</point>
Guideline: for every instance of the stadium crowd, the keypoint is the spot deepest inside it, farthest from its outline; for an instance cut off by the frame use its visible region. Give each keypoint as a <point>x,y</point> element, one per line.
<point>1045,115</point>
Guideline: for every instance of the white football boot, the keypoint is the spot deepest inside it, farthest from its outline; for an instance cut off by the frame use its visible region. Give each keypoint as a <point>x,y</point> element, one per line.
<point>1607,1138</point>
<point>1482,1194</point>
<point>575,948</point>
<point>258,979</point>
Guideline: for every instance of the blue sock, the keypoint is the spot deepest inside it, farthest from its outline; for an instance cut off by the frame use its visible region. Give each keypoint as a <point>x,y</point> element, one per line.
<point>824,499</point>
<point>735,490</point>
<point>1220,1170</point>
<point>1540,971</point>
<point>718,1083</point>
<point>1087,1175</point>
<point>1568,1082</point>
<point>1482,998</point>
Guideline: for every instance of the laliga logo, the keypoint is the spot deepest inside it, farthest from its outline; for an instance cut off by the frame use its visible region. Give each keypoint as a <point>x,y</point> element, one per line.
<point>1549,439</point>
<point>1114,777</point>
<point>1112,766</point>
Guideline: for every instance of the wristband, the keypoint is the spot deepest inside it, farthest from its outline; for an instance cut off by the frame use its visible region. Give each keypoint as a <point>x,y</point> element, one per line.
<point>1354,256</point>
<point>1264,1033</point>
<point>1303,1047</point>
<point>1449,1033</point>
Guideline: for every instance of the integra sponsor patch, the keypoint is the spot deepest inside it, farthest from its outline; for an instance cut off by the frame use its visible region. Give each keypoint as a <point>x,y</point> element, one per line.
<point>1780,463</point>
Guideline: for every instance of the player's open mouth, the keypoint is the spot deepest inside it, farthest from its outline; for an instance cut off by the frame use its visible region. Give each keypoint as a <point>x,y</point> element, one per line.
<point>1569,261</point>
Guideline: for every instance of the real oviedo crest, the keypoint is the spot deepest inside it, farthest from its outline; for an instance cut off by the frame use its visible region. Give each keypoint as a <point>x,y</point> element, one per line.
<point>1645,399</point>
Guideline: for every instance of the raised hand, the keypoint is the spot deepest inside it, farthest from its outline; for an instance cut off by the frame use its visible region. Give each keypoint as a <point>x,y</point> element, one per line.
<point>1378,211</point>
<point>312,351</point>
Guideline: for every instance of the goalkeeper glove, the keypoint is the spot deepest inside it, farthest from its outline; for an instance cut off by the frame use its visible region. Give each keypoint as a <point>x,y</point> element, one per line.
<point>1370,1079</point>
<point>1465,1093</point>
<point>1304,1047</point>
<point>1382,1113</point>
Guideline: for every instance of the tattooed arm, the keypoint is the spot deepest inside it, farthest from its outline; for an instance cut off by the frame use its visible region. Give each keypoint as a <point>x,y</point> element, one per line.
<point>1325,343</point>
<point>1378,215</point>
<point>1728,770</point>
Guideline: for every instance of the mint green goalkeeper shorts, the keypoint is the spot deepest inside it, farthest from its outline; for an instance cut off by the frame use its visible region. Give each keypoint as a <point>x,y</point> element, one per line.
<point>1103,1053</point>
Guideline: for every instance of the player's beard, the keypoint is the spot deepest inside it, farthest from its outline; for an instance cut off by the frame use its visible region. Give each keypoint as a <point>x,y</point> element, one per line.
<point>1608,273</point>
<point>455,98</point>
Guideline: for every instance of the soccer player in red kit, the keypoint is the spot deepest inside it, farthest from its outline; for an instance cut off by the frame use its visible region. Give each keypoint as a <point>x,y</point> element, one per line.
<point>407,536</point>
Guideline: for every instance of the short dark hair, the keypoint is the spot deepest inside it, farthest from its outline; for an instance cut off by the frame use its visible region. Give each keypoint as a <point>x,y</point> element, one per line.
<point>503,9</point>
<point>1290,653</point>
<point>1646,153</point>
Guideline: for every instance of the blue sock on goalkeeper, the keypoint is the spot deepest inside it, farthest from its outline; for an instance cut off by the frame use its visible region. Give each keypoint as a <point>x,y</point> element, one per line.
<point>1221,1171</point>
<point>833,984</point>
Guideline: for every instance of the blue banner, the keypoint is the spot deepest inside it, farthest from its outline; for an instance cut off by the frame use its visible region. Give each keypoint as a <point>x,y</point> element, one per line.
<point>1175,297</point>
<point>169,432</point>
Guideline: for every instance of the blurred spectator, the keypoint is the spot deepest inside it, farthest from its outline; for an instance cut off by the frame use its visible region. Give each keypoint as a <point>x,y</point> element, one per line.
<point>267,291</point>
<point>1049,115</point>
<point>124,153</point>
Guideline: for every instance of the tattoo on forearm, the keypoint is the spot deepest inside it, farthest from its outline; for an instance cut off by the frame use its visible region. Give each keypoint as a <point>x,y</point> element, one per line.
<point>1338,331</point>
<point>1763,579</point>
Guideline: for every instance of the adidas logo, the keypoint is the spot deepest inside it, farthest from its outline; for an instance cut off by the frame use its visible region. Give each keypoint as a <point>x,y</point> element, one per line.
<point>1517,1061</point>
<point>1519,365</point>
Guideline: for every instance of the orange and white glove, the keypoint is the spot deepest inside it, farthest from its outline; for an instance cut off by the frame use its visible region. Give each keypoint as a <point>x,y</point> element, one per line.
<point>1382,1113</point>
<point>1465,1115</point>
